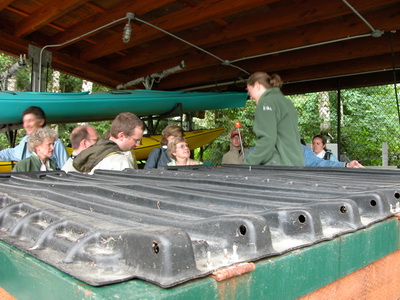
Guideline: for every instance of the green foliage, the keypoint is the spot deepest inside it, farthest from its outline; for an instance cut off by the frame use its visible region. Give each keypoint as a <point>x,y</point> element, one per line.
<point>370,118</point>
<point>6,61</point>
<point>70,84</point>
<point>102,127</point>
<point>226,118</point>
<point>308,115</point>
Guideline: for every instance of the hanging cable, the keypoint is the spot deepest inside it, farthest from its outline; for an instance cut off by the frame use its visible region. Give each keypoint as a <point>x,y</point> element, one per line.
<point>302,47</point>
<point>375,33</point>
<point>223,62</point>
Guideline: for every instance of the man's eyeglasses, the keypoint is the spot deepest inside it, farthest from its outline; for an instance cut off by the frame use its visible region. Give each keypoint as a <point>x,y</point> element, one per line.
<point>137,141</point>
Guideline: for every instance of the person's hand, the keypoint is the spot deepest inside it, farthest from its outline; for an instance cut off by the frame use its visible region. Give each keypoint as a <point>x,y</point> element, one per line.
<point>354,164</point>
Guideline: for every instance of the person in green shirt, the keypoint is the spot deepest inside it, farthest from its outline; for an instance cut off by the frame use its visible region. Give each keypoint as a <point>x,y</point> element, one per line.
<point>275,124</point>
<point>41,146</point>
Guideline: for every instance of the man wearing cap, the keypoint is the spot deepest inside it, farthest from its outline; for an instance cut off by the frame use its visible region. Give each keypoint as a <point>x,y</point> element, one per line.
<point>234,155</point>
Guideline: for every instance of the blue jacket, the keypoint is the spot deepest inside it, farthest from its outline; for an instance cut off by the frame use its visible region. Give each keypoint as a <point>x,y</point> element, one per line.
<point>312,160</point>
<point>157,159</point>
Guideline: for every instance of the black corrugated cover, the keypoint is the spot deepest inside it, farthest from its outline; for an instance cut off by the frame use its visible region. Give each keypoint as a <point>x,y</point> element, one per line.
<point>169,226</point>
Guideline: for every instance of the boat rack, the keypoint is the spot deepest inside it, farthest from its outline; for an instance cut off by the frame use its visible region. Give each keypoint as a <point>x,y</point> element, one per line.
<point>168,226</point>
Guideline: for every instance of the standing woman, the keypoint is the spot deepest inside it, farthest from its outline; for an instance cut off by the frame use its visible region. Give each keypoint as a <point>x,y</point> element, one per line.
<point>275,124</point>
<point>159,156</point>
<point>319,148</point>
<point>41,146</point>
<point>179,150</point>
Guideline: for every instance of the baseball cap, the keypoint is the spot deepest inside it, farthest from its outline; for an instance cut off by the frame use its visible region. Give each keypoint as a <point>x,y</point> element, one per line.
<point>235,132</point>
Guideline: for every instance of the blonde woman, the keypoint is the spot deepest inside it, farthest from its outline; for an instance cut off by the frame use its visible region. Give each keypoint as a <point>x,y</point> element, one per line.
<point>179,150</point>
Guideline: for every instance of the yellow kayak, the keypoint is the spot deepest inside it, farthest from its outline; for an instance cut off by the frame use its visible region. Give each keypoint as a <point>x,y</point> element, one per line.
<point>195,139</point>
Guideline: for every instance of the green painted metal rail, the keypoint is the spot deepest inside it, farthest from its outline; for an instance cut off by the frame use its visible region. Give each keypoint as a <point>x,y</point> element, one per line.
<point>288,276</point>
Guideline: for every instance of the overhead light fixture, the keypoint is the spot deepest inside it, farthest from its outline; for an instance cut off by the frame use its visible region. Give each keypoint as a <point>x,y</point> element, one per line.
<point>126,36</point>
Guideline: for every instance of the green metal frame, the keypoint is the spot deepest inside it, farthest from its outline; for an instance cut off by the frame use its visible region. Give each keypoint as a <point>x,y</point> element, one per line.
<point>288,276</point>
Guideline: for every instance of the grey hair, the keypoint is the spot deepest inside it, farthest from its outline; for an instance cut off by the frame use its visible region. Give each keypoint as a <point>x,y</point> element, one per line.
<point>171,148</point>
<point>38,137</point>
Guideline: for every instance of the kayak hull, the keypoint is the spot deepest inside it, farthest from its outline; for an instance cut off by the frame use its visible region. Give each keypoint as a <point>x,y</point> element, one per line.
<point>85,107</point>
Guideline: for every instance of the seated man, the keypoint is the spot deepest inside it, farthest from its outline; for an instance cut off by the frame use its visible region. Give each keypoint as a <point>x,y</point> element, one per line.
<point>234,155</point>
<point>33,118</point>
<point>82,137</point>
<point>125,134</point>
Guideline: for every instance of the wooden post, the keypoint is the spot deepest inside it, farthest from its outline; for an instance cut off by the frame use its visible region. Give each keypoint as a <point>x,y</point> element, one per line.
<point>385,154</point>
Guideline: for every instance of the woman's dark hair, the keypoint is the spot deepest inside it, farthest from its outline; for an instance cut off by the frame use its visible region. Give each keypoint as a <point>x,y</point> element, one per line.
<point>323,139</point>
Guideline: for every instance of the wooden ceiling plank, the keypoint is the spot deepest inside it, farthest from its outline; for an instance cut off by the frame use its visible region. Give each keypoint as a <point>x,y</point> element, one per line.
<point>14,46</point>
<point>95,7</point>
<point>353,66</point>
<point>5,3</point>
<point>336,53</point>
<point>293,17</point>
<point>244,27</point>
<point>206,11</point>
<point>115,12</point>
<point>305,35</point>
<point>17,11</point>
<point>59,28</point>
<point>46,14</point>
<point>87,70</point>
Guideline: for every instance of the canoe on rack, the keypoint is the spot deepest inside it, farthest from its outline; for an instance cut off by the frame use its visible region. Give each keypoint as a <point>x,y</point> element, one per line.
<point>85,107</point>
<point>195,139</point>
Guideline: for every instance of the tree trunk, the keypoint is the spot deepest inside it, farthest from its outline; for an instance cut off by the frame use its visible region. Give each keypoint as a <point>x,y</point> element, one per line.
<point>324,111</point>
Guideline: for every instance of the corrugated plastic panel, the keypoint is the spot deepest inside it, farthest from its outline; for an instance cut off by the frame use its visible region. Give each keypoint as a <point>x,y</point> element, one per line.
<point>169,226</point>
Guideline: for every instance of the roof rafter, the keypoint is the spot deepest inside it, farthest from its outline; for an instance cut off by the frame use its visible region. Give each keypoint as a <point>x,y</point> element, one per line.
<point>45,15</point>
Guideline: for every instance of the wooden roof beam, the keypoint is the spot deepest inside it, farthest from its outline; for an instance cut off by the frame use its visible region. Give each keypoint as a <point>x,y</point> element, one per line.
<point>309,34</point>
<point>5,3</point>
<point>336,53</point>
<point>234,32</point>
<point>46,14</point>
<point>206,11</point>
<point>100,19</point>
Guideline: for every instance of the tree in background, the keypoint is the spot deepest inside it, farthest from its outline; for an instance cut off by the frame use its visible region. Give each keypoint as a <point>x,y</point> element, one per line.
<point>370,118</point>
<point>226,118</point>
